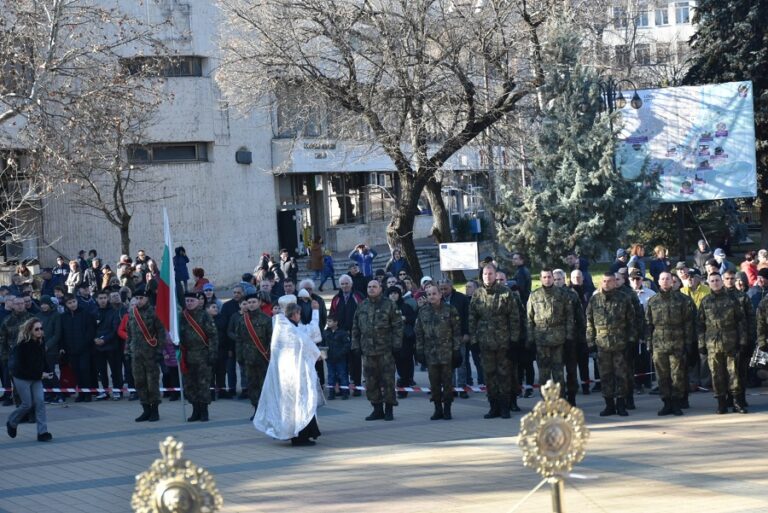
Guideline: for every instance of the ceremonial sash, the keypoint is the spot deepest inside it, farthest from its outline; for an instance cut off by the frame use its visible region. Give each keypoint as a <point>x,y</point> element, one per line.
<point>255,337</point>
<point>202,334</point>
<point>152,341</point>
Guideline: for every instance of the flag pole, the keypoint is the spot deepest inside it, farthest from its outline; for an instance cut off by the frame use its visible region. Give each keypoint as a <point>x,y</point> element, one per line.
<point>168,275</point>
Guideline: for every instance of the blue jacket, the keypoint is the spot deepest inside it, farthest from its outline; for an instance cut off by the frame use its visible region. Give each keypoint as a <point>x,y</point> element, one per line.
<point>180,265</point>
<point>328,265</point>
<point>364,260</point>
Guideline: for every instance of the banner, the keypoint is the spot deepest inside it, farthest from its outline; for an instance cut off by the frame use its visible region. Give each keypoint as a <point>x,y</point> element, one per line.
<point>458,256</point>
<point>698,140</point>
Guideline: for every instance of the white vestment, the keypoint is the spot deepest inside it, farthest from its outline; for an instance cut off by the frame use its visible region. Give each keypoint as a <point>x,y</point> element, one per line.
<point>291,392</point>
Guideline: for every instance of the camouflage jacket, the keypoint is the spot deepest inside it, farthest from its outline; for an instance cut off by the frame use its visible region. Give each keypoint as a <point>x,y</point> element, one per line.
<point>670,322</point>
<point>438,333</point>
<point>610,316</point>
<point>579,321</point>
<point>750,322</point>
<point>638,319</point>
<point>494,317</point>
<point>377,327</point>
<point>189,339</point>
<point>550,317</point>
<point>9,332</point>
<point>245,347</point>
<point>137,343</point>
<point>721,323</point>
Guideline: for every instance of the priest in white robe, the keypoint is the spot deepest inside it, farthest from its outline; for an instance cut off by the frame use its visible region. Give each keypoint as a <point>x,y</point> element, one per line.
<point>291,392</point>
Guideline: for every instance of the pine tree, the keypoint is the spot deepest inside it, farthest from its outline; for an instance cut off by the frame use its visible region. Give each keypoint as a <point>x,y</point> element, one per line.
<point>579,199</point>
<point>731,44</point>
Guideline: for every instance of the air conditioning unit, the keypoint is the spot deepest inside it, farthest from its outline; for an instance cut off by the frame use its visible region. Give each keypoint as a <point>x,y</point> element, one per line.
<point>243,157</point>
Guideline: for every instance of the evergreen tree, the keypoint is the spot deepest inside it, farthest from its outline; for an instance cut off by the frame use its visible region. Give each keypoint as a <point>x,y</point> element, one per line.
<point>731,44</point>
<point>579,198</point>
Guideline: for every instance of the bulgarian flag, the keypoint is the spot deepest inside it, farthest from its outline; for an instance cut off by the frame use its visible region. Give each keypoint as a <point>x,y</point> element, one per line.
<point>166,288</point>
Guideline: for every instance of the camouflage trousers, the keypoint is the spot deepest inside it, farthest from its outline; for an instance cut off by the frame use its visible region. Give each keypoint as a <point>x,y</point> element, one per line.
<point>613,372</point>
<point>725,377</point>
<point>379,375</point>
<point>498,373</point>
<point>256,371</point>
<point>671,373</point>
<point>550,362</point>
<point>146,378</point>
<point>440,382</point>
<point>197,380</point>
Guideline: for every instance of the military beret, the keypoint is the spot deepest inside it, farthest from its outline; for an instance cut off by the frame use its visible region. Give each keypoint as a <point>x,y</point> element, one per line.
<point>196,295</point>
<point>140,292</point>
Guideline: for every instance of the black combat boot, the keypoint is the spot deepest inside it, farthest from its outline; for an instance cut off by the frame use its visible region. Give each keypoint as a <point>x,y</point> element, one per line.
<point>513,404</point>
<point>203,412</point>
<point>504,408</point>
<point>447,411</point>
<point>154,412</point>
<point>585,388</point>
<point>388,414</point>
<point>493,413</point>
<point>743,399</point>
<point>675,404</point>
<point>684,404</point>
<point>722,406</point>
<point>332,394</point>
<point>195,413</point>
<point>728,400</point>
<point>256,407</point>
<point>610,407</point>
<point>630,401</point>
<point>621,407</point>
<point>738,404</point>
<point>572,398</point>
<point>438,411</point>
<point>144,416</point>
<point>666,409</point>
<point>378,412</point>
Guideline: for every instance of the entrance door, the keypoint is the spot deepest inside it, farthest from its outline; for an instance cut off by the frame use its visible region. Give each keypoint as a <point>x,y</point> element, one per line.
<point>287,231</point>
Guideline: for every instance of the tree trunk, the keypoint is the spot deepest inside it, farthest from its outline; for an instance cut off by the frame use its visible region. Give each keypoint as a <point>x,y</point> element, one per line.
<point>400,228</point>
<point>441,227</point>
<point>125,237</point>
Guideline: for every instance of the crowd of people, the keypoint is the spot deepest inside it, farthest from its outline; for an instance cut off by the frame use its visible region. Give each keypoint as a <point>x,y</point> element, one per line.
<point>694,326</point>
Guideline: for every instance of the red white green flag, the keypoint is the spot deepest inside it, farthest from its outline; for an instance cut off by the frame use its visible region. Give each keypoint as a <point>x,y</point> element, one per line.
<point>166,287</point>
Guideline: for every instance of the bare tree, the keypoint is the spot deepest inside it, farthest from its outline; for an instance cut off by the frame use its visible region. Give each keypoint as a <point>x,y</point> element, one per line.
<point>426,77</point>
<point>57,57</point>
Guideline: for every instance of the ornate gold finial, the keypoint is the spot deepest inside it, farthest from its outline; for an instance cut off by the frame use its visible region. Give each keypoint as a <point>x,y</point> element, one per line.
<point>553,436</point>
<point>174,484</point>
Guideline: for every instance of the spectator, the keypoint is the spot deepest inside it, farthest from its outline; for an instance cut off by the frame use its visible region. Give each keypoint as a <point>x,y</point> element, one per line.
<point>225,351</point>
<point>359,283</point>
<point>200,279</point>
<point>108,278</point>
<point>637,257</point>
<point>46,281</point>
<point>28,369</point>
<point>78,330</point>
<point>397,264</point>
<point>60,272</point>
<point>82,263</point>
<point>749,266</point>
<point>339,345</point>
<point>363,256</point>
<point>621,261</point>
<point>142,264</point>
<point>701,255</point>
<point>404,362</point>
<point>105,345</point>
<point>316,259</point>
<point>289,266</point>
<point>51,321</point>
<point>24,273</point>
<point>343,308</point>
<point>92,276</point>
<point>181,271</point>
<point>74,278</point>
<point>724,264</point>
<point>760,289</point>
<point>210,296</point>
<point>742,282</point>
<point>762,259</point>
<point>522,277</point>
<point>659,264</point>
<point>85,300</point>
<point>328,271</point>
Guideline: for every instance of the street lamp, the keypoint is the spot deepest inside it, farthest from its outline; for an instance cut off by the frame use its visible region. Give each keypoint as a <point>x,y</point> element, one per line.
<point>610,88</point>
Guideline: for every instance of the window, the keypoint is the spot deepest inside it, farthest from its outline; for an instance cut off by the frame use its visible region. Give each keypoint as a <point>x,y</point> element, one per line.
<point>662,16</point>
<point>622,56</point>
<point>347,198</point>
<point>682,52</point>
<point>643,55</point>
<point>643,19</point>
<point>663,53</point>
<point>298,115</point>
<point>682,13</point>
<point>380,200</point>
<point>168,152</point>
<point>182,66</point>
<point>619,17</point>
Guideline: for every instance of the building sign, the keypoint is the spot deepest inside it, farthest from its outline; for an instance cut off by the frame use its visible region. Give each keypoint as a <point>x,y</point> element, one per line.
<point>700,141</point>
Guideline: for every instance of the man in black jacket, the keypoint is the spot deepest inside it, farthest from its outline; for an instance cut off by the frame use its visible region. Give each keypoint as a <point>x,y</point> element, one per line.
<point>51,319</point>
<point>78,329</point>
<point>228,310</point>
<point>104,345</point>
<point>93,275</point>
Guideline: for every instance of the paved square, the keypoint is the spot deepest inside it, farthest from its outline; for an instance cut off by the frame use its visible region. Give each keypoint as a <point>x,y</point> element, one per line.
<point>643,463</point>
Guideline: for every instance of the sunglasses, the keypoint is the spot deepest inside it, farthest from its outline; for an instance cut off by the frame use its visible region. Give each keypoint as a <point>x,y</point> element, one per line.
<point>37,329</point>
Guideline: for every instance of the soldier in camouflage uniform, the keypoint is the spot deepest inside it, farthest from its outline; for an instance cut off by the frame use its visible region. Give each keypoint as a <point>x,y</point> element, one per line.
<point>635,332</point>
<point>438,344</point>
<point>572,351</point>
<point>9,333</point>
<point>610,316</point>
<point>750,327</point>
<point>199,341</point>
<point>670,334</point>
<point>377,334</point>
<point>550,328</point>
<point>253,352</point>
<point>721,338</point>
<point>146,339</point>
<point>494,324</point>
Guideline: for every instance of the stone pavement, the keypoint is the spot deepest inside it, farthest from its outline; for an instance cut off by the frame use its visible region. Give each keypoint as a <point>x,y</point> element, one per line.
<point>643,463</point>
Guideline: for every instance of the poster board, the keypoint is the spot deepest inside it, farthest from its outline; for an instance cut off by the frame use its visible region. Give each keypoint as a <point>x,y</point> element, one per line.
<point>698,140</point>
<point>458,256</point>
